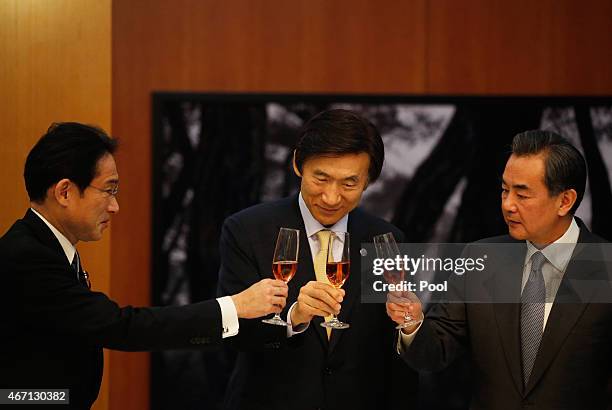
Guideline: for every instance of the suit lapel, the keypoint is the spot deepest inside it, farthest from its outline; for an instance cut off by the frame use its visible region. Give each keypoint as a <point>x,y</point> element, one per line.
<point>570,302</point>
<point>47,237</point>
<point>507,288</point>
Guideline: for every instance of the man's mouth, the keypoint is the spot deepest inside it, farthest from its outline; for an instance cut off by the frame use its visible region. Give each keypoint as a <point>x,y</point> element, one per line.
<point>329,210</point>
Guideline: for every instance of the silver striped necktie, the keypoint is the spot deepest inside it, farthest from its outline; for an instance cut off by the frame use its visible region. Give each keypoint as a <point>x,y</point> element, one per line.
<point>532,314</point>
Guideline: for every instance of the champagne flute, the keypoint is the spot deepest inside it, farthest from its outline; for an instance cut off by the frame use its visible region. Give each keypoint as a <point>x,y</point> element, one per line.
<point>284,263</point>
<point>338,269</point>
<point>386,248</point>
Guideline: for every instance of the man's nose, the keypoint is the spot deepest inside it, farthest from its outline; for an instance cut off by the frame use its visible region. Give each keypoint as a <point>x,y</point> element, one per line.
<point>508,203</point>
<point>331,195</point>
<point>113,207</point>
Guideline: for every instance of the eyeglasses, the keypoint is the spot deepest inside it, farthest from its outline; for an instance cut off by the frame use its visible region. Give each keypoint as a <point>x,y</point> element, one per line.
<point>84,279</point>
<point>110,192</point>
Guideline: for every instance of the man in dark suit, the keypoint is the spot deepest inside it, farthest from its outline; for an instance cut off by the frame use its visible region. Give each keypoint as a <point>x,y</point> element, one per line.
<point>302,366</point>
<point>53,326</point>
<point>552,347</point>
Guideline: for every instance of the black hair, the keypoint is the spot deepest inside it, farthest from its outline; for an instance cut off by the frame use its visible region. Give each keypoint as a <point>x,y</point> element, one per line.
<point>67,150</point>
<point>339,132</point>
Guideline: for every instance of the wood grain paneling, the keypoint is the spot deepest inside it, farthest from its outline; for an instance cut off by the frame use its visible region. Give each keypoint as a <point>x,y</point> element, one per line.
<point>55,65</point>
<point>581,49</point>
<point>521,47</point>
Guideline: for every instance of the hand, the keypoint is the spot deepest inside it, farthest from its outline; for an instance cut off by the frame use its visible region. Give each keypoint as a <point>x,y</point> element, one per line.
<point>316,299</point>
<point>402,304</point>
<point>265,297</point>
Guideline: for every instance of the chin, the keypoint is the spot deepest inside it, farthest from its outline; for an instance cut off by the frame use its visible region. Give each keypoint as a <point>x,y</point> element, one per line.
<point>95,237</point>
<point>517,234</point>
<point>326,220</point>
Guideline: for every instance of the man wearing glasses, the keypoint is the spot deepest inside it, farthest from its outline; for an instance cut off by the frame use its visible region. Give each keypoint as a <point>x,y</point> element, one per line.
<point>53,326</point>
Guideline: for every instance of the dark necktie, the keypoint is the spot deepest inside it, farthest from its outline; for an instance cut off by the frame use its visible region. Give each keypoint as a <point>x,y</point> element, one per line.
<point>532,314</point>
<point>75,263</point>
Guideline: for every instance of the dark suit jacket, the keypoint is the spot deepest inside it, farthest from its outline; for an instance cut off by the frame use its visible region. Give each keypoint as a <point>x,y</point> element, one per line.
<point>574,362</point>
<point>356,369</point>
<point>54,329</point>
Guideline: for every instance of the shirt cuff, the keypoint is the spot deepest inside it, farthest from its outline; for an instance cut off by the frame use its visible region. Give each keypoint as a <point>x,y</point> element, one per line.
<point>229,316</point>
<point>404,341</point>
<point>297,329</point>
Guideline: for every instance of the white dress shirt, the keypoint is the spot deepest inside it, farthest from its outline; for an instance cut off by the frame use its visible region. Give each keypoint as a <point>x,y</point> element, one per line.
<point>229,316</point>
<point>312,228</point>
<point>557,254</point>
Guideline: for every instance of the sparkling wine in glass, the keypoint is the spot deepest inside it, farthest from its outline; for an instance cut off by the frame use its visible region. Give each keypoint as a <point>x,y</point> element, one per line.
<point>386,248</point>
<point>338,269</point>
<point>284,262</point>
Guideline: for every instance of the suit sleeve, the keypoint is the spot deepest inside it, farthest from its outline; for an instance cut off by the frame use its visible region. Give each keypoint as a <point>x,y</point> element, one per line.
<point>55,305</point>
<point>442,336</point>
<point>238,271</point>
<point>398,377</point>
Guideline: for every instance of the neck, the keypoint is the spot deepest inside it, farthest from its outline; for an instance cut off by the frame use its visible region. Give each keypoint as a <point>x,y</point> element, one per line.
<point>50,216</point>
<point>556,233</point>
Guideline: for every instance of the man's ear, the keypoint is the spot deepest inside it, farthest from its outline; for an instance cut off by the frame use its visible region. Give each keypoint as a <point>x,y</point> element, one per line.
<point>295,168</point>
<point>62,191</point>
<point>568,199</point>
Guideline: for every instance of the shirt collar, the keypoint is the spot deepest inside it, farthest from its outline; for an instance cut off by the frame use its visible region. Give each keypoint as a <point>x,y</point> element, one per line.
<point>560,251</point>
<point>313,226</point>
<point>68,248</point>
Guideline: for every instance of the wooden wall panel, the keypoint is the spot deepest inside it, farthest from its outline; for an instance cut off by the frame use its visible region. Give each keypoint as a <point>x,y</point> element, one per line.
<point>581,50</point>
<point>522,47</point>
<point>235,45</point>
<point>55,65</point>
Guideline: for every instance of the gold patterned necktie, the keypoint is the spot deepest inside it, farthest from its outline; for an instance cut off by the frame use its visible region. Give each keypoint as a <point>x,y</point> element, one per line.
<point>320,264</point>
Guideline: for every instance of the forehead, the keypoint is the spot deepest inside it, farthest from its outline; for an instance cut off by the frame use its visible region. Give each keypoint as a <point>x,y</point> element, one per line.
<point>106,169</point>
<point>339,165</point>
<point>525,170</point>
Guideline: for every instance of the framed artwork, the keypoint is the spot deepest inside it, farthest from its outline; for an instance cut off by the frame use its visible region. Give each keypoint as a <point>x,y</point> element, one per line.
<point>215,154</point>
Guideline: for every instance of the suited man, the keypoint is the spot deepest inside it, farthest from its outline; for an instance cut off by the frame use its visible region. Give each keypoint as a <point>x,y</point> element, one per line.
<point>53,326</point>
<point>552,348</point>
<point>301,366</point>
